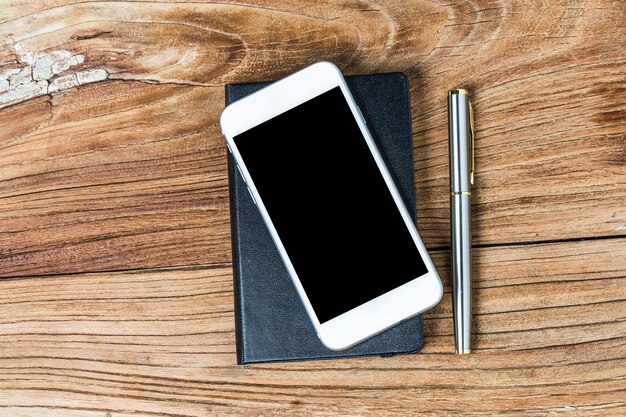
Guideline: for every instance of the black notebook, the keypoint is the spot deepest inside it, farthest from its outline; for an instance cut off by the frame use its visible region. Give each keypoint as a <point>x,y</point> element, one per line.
<point>271,323</point>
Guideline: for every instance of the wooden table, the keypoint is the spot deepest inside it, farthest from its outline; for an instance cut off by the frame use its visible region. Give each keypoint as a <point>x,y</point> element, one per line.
<point>114,220</point>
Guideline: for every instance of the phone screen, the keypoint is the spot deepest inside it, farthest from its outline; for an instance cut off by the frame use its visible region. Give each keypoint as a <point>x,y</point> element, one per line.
<point>330,205</point>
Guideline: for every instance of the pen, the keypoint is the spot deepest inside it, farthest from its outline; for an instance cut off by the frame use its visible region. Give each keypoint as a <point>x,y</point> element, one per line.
<point>461,136</point>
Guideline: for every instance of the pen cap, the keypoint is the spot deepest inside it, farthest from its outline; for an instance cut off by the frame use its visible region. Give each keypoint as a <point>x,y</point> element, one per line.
<point>460,135</point>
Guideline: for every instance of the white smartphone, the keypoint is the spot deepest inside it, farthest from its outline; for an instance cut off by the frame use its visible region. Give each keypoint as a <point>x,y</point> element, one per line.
<point>331,206</point>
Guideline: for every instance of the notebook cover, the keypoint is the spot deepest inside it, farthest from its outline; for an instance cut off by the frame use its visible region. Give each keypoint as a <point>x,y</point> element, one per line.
<point>271,323</point>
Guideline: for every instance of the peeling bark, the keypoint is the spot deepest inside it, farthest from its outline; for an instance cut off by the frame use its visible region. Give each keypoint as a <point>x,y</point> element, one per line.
<point>37,74</point>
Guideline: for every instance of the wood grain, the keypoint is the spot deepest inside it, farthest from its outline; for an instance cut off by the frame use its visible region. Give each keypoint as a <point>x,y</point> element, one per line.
<point>130,172</point>
<point>162,341</point>
<point>114,221</point>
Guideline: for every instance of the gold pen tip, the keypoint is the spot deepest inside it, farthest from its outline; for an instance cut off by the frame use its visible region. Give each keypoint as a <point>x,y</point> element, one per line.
<point>458,91</point>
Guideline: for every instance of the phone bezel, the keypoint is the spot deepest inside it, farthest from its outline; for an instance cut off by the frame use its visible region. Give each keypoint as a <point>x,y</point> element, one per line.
<point>383,311</point>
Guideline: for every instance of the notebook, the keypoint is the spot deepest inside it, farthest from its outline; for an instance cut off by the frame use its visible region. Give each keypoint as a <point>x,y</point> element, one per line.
<point>271,323</point>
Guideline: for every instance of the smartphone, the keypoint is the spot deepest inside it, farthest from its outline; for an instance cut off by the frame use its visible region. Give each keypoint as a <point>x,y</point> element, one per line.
<point>331,206</point>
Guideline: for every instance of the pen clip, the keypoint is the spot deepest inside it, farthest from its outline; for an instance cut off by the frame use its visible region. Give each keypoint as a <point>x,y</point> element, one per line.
<point>471,135</point>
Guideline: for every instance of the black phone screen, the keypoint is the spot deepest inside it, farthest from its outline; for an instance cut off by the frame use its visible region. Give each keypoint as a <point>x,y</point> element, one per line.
<point>330,205</point>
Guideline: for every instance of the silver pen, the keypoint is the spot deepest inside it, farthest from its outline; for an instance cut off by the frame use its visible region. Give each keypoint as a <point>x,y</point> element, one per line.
<point>461,136</point>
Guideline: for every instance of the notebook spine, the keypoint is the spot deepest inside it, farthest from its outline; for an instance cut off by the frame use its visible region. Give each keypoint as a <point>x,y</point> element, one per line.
<point>236,261</point>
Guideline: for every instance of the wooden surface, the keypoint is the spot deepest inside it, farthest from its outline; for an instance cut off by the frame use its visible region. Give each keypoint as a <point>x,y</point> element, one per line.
<point>114,230</point>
